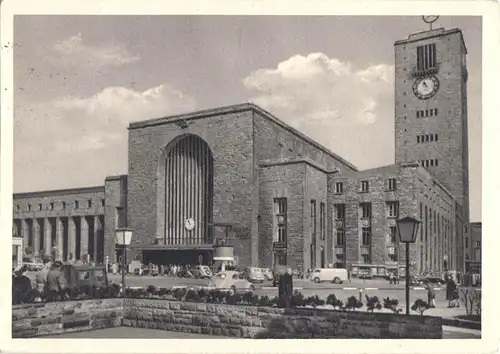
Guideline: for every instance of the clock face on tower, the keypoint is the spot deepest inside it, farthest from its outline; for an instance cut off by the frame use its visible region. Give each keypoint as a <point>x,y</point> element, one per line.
<point>189,224</point>
<point>425,87</point>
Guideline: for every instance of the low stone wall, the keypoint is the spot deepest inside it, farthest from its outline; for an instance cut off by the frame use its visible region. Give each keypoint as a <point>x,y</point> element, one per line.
<point>217,319</point>
<point>252,321</point>
<point>35,320</point>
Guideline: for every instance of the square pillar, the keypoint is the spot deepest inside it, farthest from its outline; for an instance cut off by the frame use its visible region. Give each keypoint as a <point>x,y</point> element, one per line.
<point>97,235</point>
<point>47,243</point>
<point>25,232</point>
<point>59,239</point>
<point>84,238</point>
<point>36,238</point>
<point>71,239</point>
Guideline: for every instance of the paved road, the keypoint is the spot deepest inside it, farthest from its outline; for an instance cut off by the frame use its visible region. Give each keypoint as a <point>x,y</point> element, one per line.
<point>140,333</point>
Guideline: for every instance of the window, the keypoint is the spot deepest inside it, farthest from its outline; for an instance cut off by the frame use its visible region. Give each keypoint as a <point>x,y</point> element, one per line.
<point>393,234</point>
<point>366,210</point>
<point>426,57</point>
<point>365,186</point>
<point>51,206</point>
<point>436,137</point>
<point>28,207</point>
<point>418,114</point>
<point>426,137</point>
<point>432,163</point>
<point>119,217</point>
<point>339,211</point>
<point>339,187</point>
<point>426,112</point>
<point>366,236</point>
<point>366,258</point>
<point>431,112</point>
<point>89,203</point>
<point>393,257</point>
<point>432,137</point>
<point>418,138</point>
<point>340,237</point>
<point>435,111</point>
<point>103,202</point>
<point>322,218</point>
<point>392,184</point>
<point>435,162</point>
<point>63,205</point>
<point>40,206</point>
<point>313,221</point>
<point>478,244</point>
<point>77,204</point>
<point>392,209</point>
<point>280,215</point>
<point>466,242</point>
<point>17,207</point>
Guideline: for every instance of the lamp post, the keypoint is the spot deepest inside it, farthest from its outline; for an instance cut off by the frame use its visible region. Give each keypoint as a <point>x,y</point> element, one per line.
<point>407,231</point>
<point>123,238</point>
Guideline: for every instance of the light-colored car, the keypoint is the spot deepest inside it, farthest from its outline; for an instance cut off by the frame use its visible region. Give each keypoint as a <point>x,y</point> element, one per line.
<point>334,275</point>
<point>254,275</point>
<point>267,273</point>
<point>231,282</point>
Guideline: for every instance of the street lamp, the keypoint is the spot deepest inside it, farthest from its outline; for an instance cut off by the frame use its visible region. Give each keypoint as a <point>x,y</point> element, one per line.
<point>407,231</point>
<point>123,238</point>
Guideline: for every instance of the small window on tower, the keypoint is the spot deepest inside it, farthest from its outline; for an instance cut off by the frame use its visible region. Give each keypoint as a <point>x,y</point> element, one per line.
<point>435,111</point>
<point>418,138</point>
<point>432,137</point>
<point>432,163</point>
<point>435,162</point>
<point>431,112</point>
<point>418,114</point>
<point>426,137</point>
<point>426,112</point>
<point>435,137</point>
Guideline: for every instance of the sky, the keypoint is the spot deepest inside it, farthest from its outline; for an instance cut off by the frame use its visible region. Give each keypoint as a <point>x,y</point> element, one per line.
<point>80,80</point>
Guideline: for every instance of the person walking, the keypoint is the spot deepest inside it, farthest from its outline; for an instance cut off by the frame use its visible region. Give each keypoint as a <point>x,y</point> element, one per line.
<point>431,295</point>
<point>41,279</point>
<point>451,292</point>
<point>56,283</point>
<point>22,286</point>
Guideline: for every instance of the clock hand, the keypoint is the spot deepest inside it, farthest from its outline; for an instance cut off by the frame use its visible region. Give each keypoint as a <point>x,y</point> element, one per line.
<point>424,84</point>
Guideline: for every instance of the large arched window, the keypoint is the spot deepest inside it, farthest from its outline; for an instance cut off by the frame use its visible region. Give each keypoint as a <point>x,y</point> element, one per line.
<point>188,192</point>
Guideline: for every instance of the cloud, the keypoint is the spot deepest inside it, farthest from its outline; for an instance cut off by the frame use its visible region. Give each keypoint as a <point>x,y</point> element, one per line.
<point>331,101</point>
<point>73,51</point>
<point>84,138</point>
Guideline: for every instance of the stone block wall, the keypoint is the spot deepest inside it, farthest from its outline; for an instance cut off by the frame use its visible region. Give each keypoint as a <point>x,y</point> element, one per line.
<point>216,319</point>
<point>34,320</point>
<point>249,321</point>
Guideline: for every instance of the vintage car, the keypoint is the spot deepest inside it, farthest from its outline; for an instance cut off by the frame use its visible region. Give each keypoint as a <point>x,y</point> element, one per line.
<point>78,275</point>
<point>231,282</point>
<point>254,275</point>
<point>202,272</point>
<point>267,273</point>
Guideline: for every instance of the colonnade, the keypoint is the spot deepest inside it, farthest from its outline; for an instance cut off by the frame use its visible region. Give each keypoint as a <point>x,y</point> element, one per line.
<point>68,238</point>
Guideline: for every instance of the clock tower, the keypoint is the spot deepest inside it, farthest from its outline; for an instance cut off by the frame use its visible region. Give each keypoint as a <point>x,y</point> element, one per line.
<point>431,109</point>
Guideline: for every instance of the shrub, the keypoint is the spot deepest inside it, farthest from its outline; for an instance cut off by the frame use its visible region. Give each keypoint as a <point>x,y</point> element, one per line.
<point>298,299</point>
<point>420,306</point>
<point>247,297</point>
<point>372,303</point>
<point>314,301</point>
<point>471,298</point>
<point>274,301</point>
<point>353,303</point>
<point>192,295</point>
<point>233,299</point>
<point>334,301</point>
<point>179,293</point>
<point>392,304</point>
<point>151,289</point>
<point>265,301</point>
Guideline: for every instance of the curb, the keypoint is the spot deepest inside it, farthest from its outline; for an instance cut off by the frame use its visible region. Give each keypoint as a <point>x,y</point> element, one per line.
<point>455,322</point>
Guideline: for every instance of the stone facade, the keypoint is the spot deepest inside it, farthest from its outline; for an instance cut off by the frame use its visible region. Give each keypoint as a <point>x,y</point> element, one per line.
<point>66,224</point>
<point>217,319</point>
<point>392,191</point>
<point>474,247</point>
<point>434,131</point>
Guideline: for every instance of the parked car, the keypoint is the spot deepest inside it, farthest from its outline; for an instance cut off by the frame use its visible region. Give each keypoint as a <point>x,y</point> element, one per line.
<point>432,280</point>
<point>184,273</point>
<point>202,272</point>
<point>254,275</point>
<point>32,264</point>
<point>78,275</point>
<point>267,273</point>
<point>230,281</point>
<point>334,275</point>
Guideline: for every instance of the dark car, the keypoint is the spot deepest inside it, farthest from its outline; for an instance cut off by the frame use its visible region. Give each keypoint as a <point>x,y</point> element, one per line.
<point>432,280</point>
<point>78,275</point>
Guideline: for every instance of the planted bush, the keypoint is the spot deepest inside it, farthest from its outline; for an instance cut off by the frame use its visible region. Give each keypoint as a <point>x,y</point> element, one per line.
<point>334,301</point>
<point>353,303</point>
<point>314,301</point>
<point>192,295</point>
<point>420,306</point>
<point>372,303</point>
<point>392,304</point>
<point>264,301</point>
<point>179,293</point>
<point>298,299</point>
